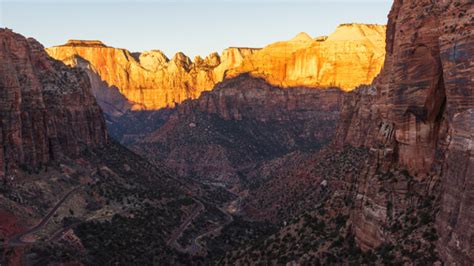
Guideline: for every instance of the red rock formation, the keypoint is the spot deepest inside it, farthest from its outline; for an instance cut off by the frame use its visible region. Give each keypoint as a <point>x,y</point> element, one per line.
<point>356,122</point>
<point>421,120</point>
<point>46,108</point>
<point>241,97</point>
<point>457,56</point>
<point>240,123</point>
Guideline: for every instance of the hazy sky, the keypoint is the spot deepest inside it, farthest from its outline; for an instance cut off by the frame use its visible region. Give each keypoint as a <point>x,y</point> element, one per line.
<point>193,27</point>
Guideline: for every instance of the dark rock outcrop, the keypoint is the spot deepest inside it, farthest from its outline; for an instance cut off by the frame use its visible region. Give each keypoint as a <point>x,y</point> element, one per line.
<point>46,108</point>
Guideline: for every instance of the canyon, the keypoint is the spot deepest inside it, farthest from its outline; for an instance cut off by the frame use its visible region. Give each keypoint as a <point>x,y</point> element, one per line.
<point>355,148</point>
<point>411,195</point>
<point>244,121</point>
<point>64,181</point>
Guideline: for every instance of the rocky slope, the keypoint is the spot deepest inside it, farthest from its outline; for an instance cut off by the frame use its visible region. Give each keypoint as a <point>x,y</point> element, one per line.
<point>225,133</point>
<point>46,108</point>
<point>351,56</point>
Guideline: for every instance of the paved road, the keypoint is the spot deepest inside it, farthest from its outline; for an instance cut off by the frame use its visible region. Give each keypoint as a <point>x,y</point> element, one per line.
<point>17,240</point>
<point>196,247</point>
<point>174,237</point>
<point>197,240</point>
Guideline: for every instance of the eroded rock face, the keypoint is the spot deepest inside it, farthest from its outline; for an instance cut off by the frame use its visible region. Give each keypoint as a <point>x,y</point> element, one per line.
<point>358,118</point>
<point>228,131</point>
<point>353,55</point>
<point>149,80</point>
<point>421,120</point>
<point>109,98</point>
<point>46,108</point>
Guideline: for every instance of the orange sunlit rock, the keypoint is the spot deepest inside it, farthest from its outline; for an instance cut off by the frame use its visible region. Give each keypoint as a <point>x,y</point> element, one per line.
<point>351,56</point>
<point>150,80</point>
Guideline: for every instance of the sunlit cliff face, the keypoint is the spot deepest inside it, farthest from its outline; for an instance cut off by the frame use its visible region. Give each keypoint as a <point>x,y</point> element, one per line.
<point>351,56</point>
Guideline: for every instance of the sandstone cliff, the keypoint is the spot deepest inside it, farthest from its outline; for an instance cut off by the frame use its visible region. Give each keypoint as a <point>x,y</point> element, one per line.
<point>109,98</point>
<point>351,56</point>
<point>421,119</point>
<point>149,80</point>
<point>46,108</point>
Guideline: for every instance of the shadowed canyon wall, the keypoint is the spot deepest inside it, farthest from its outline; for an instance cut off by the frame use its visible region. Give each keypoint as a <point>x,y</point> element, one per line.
<point>225,133</point>
<point>351,56</point>
<point>46,108</point>
<point>419,116</point>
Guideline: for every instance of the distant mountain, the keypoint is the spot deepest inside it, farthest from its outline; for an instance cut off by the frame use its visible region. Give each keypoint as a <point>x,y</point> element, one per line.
<point>351,56</point>
<point>148,80</point>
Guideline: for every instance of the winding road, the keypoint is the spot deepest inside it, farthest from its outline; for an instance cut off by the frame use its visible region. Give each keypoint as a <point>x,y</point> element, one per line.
<point>196,247</point>
<point>177,234</point>
<point>17,240</point>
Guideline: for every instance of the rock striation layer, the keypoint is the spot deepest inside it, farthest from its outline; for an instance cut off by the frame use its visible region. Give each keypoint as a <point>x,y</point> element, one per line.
<point>46,108</point>
<point>419,116</point>
<point>351,56</point>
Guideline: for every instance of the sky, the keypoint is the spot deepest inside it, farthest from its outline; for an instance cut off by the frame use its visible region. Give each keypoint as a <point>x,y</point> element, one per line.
<point>195,27</point>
